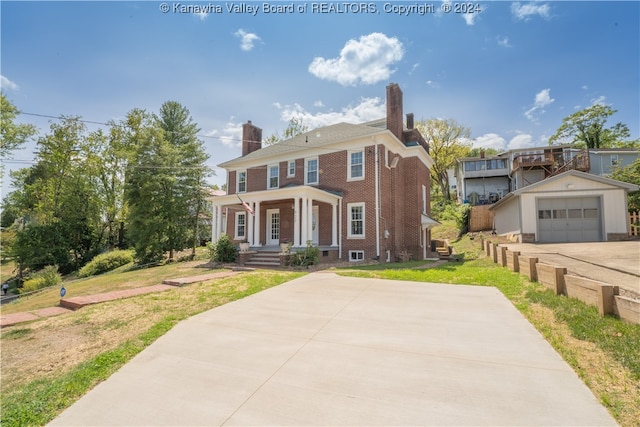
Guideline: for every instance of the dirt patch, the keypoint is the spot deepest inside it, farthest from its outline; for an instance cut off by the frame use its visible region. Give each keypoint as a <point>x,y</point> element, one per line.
<point>611,383</point>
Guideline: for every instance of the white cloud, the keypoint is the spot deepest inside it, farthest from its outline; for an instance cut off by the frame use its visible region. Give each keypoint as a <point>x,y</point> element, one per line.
<point>504,42</point>
<point>366,60</point>
<point>433,84</point>
<point>247,40</point>
<point>469,18</point>
<point>201,15</point>
<point>523,12</point>
<point>599,100</point>
<point>542,99</point>
<point>7,84</point>
<point>522,140</point>
<point>490,140</point>
<point>368,109</point>
<point>231,134</point>
<point>318,104</point>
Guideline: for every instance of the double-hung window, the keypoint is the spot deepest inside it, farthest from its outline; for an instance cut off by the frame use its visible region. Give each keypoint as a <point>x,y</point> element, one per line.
<point>356,220</point>
<point>241,185</point>
<point>273,176</point>
<point>241,225</point>
<point>291,168</point>
<point>355,165</point>
<point>311,173</point>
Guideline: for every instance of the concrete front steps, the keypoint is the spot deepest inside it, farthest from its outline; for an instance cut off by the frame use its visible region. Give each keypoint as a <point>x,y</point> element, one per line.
<point>264,259</point>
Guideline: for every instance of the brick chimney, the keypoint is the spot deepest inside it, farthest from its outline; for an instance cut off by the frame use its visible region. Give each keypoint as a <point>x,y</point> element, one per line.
<point>394,110</point>
<point>251,138</point>
<point>409,120</point>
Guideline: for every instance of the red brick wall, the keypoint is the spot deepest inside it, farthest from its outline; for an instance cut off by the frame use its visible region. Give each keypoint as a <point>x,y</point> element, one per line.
<point>400,201</point>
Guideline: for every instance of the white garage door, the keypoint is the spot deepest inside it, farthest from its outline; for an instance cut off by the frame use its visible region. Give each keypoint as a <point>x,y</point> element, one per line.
<point>570,220</point>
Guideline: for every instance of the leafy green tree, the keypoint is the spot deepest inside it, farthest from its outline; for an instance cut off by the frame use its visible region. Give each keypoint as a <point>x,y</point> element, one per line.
<point>165,182</point>
<point>630,174</point>
<point>12,135</point>
<point>586,128</point>
<point>448,141</point>
<point>294,128</point>
<point>57,195</point>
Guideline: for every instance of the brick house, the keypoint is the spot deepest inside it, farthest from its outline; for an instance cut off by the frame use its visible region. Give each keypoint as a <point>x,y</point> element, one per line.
<point>357,191</point>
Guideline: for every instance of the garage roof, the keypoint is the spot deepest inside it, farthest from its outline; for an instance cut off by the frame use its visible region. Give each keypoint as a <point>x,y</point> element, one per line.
<point>533,187</point>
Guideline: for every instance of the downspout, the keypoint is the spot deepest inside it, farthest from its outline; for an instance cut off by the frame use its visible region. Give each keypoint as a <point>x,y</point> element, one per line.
<point>340,228</point>
<point>377,190</point>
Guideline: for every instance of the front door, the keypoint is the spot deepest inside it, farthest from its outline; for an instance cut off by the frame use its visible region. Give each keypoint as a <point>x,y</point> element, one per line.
<point>273,227</point>
<point>314,224</point>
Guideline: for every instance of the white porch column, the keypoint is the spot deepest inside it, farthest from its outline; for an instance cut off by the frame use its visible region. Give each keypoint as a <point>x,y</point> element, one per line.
<point>309,220</point>
<point>217,209</point>
<point>250,226</point>
<point>303,224</point>
<point>256,225</point>
<point>334,224</point>
<point>296,222</point>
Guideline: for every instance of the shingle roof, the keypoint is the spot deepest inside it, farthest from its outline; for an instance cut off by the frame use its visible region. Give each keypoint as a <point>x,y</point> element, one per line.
<point>316,138</point>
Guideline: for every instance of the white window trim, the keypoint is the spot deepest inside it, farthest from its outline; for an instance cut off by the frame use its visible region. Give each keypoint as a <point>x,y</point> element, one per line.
<point>237,236</point>
<point>349,177</point>
<point>306,171</point>
<point>238,181</point>
<point>269,187</point>
<point>357,258</point>
<point>289,174</point>
<point>364,224</point>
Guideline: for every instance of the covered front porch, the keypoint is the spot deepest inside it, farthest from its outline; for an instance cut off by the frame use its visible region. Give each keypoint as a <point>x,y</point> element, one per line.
<point>293,215</point>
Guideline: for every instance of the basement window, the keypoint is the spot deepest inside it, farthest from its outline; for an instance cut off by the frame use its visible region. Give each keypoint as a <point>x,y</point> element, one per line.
<point>355,256</point>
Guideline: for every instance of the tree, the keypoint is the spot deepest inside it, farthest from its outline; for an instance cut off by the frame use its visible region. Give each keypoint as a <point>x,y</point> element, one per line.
<point>586,128</point>
<point>12,135</point>
<point>630,174</point>
<point>164,187</point>
<point>448,141</point>
<point>294,128</point>
<point>58,202</point>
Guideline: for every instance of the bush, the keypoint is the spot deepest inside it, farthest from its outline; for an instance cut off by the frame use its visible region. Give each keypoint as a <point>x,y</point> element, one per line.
<point>106,262</point>
<point>306,257</point>
<point>223,250</point>
<point>49,276</point>
<point>458,213</point>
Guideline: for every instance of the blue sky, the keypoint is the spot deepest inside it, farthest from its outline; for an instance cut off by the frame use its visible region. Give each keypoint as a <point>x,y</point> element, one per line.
<point>510,73</point>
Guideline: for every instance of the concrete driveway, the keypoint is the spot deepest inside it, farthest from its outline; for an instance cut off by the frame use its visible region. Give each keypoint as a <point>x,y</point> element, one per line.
<point>617,263</point>
<point>328,350</point>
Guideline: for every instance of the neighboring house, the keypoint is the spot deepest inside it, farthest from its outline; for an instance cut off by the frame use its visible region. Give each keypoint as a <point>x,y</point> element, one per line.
<point>604,160</point>
<point>357,191</point>
<point>483,180</point>
<point>573,206</point>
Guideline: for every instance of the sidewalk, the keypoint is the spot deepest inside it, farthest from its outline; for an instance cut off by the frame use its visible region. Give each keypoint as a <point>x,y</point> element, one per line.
<point>74,303</point>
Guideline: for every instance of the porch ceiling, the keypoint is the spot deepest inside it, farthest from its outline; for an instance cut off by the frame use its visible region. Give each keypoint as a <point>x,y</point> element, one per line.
<point>278,194</point>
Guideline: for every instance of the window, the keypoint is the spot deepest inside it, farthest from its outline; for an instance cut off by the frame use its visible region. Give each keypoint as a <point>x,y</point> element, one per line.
<point>469,166</point>
<point>424,199</point>
<point>291,168</point>
<point>544,214</point>
<point>356,165</point>
<point>311,177</point>
<point>273,176</point>
<point>355,256</point>
<point>614,160</point>
<point>241,225</point>
<point>241,185</point>
<point>356,220</point>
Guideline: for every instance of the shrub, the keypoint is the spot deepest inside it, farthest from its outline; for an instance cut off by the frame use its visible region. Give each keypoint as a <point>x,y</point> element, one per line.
<point>106,262</point>
<point>45,278</point>
<point>458,213</point>
<point>306,257</point>
<point>223,250</point>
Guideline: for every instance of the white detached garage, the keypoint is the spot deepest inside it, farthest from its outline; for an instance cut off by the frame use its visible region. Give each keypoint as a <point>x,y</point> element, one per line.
<point>571,207</point>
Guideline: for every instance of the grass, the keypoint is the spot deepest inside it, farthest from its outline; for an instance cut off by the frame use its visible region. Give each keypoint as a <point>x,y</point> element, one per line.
<point>78,350</point>
<point>118,279</point>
